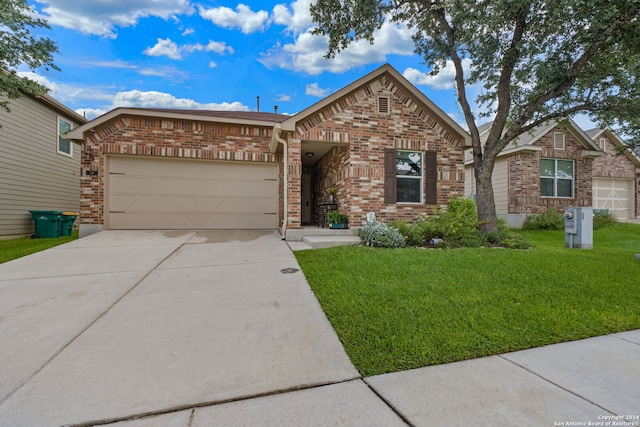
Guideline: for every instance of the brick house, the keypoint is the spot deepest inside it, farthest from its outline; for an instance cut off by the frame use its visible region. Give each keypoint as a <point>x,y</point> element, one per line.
<point>380,142</point>
<point>548,167</point>
<point>616,177</point>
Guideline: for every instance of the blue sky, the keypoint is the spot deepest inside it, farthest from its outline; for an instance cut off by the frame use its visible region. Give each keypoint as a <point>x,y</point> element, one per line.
<point>216,55</point>
<point>211,55</point>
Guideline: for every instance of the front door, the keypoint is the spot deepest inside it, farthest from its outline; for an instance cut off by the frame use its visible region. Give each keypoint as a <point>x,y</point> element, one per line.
<point>306,199</point>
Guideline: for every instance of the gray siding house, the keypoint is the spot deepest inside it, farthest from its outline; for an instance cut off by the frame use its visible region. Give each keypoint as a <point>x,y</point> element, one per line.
<point>38,168</point>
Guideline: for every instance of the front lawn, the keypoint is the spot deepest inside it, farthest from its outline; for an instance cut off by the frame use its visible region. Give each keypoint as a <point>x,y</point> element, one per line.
<point>16,248</point>
<point>397,309</point>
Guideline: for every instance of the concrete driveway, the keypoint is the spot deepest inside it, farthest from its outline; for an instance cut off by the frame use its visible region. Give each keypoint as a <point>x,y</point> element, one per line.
<point>124,324</point>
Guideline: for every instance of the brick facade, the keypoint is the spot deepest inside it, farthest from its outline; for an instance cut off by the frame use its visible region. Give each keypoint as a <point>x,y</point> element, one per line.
<point>356,170</point>
<point>353,121</point>
<point>524,176</point>
<point>164,138</point>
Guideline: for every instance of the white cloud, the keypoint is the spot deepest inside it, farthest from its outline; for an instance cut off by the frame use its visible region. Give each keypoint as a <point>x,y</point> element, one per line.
<point>314,90</point>
<point>168,48</point>
<point>188,31</point>
<point>283,97</point>
<point>307,53</point>
<point>212,46</point>
<point>102,17</point>
<point>298,21</point>
<point>445,78</point>
<point>153,99</point>
<point>212,64</point>
<point>164,47</point>
<point>243,18</point>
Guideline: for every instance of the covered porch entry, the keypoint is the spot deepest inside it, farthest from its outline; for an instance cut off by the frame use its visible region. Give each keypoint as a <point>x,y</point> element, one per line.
<point>320,171</point>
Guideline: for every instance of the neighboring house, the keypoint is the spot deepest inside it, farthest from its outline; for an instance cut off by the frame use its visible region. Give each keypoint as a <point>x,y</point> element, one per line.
<point>548,167</point>
<point>380,142</point>
<point>39,170</point>
<point>616,177</point>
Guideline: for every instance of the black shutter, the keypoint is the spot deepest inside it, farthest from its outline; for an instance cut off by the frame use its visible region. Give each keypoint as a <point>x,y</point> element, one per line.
<point>431,176</point>
<point>389,175</point>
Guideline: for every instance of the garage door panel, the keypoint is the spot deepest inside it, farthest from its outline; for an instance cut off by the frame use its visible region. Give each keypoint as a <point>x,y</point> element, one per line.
<point>219,188</point>
<point>616,195</point>
<point>175,203</point>
<point>258,206</point>
<point>131,166</point>
<point>222,171</point>
<point>130,221</point>
<point>124,184</point>
<point>257,188</point>
<point>257,221</point>
<point>177,220</point>
<point>136,202</point>
<point>260,172</point>
<point>182,194</point>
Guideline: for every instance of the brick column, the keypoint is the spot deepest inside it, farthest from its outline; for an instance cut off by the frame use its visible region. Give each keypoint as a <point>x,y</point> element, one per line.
<point>294,186</point>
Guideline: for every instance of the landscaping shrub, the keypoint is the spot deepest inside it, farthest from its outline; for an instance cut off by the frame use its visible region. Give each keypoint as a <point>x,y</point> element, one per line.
<point>457,226</point>
<point>602,219</point>
<point>412,233</point>
<point>378,235</point>
<point>548,220</point>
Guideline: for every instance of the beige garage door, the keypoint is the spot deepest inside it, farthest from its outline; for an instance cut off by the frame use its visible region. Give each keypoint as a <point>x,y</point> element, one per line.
<point>615,195</point>
<point>160,194</point>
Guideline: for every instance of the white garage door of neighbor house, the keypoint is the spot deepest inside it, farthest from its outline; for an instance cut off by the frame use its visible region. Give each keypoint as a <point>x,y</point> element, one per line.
<point>159,194</point>
<point>615,195</point>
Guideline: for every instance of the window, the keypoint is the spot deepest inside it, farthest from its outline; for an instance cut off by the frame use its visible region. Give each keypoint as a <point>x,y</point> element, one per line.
<point>410,176</point>
<point>64,145</point>
<point>558,141</point>
<point>556,178</point>
<point>603,144</point>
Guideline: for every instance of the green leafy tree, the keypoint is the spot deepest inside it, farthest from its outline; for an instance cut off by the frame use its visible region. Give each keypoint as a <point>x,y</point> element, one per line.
<point>19,47</point>
<point>536,60</point>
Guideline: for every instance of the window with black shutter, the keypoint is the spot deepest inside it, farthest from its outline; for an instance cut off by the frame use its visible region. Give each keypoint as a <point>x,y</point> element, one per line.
<point>406,178</point>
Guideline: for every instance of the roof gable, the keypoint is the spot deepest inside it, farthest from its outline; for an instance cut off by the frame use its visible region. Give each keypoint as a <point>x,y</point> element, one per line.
<point>385,76</point>
<point>616,140</point>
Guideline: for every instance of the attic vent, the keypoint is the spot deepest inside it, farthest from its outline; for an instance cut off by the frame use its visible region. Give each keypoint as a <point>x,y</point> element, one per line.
<point>603,144</point>
<point>558,141</point>
<point>383,105</point>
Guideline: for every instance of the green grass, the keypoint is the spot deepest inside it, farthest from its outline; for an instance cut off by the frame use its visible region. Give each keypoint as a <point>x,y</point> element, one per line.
<point>397,309</point>
<point>17,248</point>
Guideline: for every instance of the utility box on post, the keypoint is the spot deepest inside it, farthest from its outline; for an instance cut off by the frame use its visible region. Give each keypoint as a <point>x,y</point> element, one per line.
<point>578,228</point>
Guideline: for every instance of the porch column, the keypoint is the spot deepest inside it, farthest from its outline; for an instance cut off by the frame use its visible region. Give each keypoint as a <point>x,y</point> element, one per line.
<point>294,185</point>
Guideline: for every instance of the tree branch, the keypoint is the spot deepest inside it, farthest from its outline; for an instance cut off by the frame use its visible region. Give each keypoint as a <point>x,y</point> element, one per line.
<point>573,73</point>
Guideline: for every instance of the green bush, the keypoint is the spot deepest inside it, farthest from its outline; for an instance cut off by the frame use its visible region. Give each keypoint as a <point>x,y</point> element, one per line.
<point>602,219</point>
<point>548,220</point>
<point>457,226</point>
<point>412,234</point>
<point>377,234</point>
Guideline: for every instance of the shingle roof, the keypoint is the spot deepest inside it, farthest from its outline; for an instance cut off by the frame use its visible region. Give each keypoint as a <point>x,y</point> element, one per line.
<point>248,115</point>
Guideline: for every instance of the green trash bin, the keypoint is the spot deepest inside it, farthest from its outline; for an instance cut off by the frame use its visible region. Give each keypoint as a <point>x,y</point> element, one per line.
<point>66,223</point>
<point>47,223</point>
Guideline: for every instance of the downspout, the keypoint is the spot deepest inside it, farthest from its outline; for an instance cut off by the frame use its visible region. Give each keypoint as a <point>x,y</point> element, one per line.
<point>277,130</point>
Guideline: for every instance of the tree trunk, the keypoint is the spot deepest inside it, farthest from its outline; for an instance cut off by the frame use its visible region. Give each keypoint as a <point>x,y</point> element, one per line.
<point>485,200</point>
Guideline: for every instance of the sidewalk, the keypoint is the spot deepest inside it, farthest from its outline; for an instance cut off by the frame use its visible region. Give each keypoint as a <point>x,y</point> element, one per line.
<point>595,381</point>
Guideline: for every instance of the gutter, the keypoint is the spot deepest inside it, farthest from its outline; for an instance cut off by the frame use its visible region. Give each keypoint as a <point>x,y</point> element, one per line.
<point>277,130</point>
